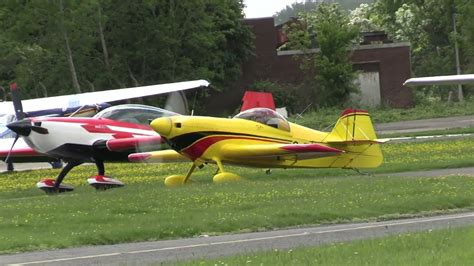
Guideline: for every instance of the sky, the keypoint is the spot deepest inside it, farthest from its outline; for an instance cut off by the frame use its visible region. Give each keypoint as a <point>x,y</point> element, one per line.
<point>265,8</point>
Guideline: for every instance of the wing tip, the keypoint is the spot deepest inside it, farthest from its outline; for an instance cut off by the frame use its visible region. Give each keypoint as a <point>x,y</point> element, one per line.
<point>139,157</point>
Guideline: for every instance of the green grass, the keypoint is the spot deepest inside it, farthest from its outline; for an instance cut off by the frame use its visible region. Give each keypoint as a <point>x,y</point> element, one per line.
<point>149,211</point>
<point>325,117</point>
<point>146,210</point>
<point>444,247</point>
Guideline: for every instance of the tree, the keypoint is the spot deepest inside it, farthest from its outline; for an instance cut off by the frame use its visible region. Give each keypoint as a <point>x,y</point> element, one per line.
<point>296,8</point>
<point>65,46</point>
<point>293,10</point>
<point>330,70</point>
<point>428,25</point>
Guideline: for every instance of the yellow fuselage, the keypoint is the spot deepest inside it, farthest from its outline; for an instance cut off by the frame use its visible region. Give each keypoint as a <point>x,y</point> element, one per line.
<point>203,139</point>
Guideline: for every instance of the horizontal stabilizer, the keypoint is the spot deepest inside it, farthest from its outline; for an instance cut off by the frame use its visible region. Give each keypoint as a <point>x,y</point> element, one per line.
<point>360,141</point>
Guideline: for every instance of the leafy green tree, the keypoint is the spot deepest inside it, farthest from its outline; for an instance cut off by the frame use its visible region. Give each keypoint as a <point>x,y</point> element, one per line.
<point>59,46</point>
<point>296,8</point>
<point>330,70</point>
<point>428,25</point>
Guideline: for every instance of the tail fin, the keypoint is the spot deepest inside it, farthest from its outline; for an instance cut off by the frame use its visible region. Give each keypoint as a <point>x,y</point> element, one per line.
<point>355,134</point>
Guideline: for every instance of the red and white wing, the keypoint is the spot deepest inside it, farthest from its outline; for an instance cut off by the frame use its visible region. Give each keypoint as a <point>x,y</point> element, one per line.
<point>133,143</point>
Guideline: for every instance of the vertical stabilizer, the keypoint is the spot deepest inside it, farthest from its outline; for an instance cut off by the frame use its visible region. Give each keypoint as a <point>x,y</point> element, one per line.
<point>355,134</point>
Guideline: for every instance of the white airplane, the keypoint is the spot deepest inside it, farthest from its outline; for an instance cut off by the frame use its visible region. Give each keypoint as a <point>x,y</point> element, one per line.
<point>70,105</point>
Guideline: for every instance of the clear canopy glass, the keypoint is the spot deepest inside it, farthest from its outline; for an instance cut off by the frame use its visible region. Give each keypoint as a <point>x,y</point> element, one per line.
<point>265,116</point>
<point>4,131</point>
<point>134,113</point>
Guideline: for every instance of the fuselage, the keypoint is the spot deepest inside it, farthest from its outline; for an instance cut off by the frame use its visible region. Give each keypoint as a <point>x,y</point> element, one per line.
<point>260,137</point>
<point>203,138</point>
<point>74,138</point>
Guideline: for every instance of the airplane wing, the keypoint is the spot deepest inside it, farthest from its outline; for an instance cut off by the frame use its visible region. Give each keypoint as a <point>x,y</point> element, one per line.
<point>248,151</point>
<point>234,151</point>
<point>165,156</point>
<point>122,144</point>
<point>440,80</point>
<point>107,96</point>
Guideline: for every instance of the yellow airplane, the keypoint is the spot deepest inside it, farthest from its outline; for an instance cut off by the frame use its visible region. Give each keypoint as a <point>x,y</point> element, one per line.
<point>261,137</point>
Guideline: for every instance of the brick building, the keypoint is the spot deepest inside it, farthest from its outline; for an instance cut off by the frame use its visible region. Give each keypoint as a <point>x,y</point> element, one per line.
<point>383,66</point>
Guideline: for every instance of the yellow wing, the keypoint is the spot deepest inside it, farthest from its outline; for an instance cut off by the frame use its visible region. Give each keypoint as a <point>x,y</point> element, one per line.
<point>259,151</point>
<point>164,156</point>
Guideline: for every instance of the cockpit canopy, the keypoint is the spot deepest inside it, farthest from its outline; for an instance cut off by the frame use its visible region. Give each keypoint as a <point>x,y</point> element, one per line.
<point>134,113</point>
<point>265,116</point>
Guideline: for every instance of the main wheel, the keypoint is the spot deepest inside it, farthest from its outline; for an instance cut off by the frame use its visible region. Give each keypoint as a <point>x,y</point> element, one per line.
<point>175,180</point>
<point>225,177</point>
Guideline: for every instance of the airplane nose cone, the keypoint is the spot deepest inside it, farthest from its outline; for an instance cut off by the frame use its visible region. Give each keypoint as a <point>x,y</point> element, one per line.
<point>162,125</point>
<point>21,127</point>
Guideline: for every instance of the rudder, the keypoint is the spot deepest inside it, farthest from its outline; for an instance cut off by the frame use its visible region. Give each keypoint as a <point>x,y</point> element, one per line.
<point>355,134</point>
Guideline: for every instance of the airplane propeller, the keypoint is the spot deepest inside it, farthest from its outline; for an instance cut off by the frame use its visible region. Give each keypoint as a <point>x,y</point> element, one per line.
<point>22,126</point>
<point>7,159</point>
<point>16,99</point>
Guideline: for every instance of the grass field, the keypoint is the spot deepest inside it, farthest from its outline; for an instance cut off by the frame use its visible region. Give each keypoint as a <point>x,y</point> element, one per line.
<point>445,247</point>
<point>146,210</point>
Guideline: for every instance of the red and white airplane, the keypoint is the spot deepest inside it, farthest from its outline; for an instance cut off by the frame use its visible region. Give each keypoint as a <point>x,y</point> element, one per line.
<point>110,135</point>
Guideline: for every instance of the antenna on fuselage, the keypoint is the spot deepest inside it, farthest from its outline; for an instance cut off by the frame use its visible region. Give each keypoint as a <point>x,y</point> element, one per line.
<point>194,102</point>
<point>300,115</point>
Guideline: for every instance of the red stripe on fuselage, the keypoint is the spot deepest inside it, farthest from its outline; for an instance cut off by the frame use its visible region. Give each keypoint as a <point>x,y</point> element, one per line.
<point>198,148</point>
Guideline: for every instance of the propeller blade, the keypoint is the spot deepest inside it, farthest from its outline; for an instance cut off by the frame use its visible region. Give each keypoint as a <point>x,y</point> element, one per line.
<point>16,98</point>
<point>40,130</point>
<point>7,159</point>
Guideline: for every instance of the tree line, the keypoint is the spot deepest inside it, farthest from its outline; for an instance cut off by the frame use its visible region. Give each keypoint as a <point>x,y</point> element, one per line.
<point>54,47</point>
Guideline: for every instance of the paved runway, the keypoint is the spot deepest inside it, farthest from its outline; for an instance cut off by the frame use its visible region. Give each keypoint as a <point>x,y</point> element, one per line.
<point>215,246</point>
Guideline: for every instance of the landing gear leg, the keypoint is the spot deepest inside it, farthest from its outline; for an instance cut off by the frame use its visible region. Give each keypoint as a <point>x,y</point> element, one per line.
<point>100,167</point>
<point>223,176</point>
<point>176,180</point>
<point>101,181</point>
<point>10,167</point>
<point>51,186</point>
